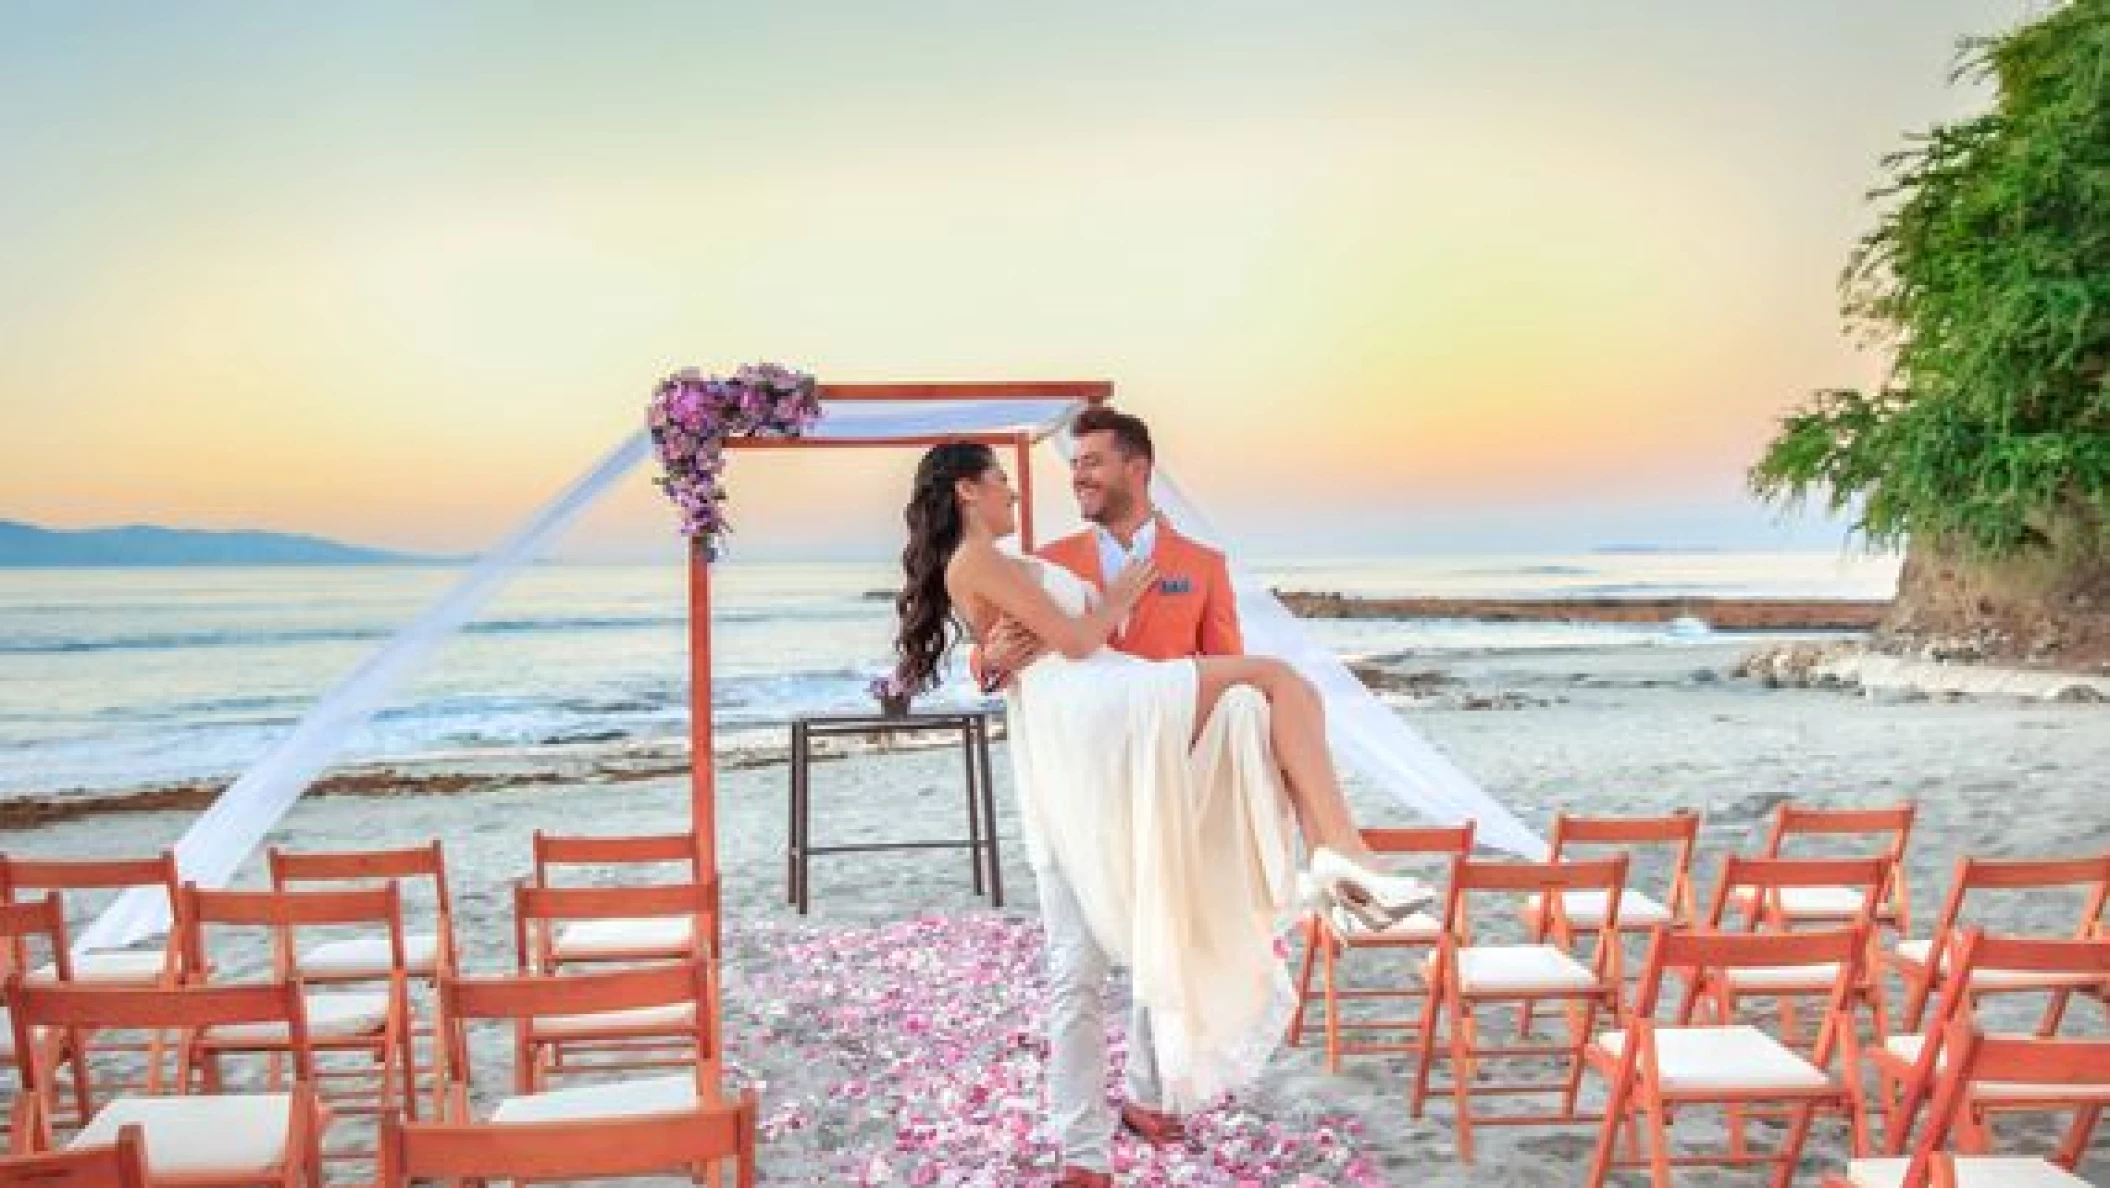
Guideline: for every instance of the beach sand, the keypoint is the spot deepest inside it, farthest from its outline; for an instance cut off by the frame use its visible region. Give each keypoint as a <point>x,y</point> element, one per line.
<point>895,1022</point>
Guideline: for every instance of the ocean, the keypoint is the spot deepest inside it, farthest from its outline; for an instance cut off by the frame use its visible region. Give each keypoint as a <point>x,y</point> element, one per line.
<point>117,677</point>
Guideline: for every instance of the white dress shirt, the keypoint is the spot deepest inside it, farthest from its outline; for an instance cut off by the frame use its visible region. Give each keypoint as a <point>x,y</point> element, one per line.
<point>1113,558</point>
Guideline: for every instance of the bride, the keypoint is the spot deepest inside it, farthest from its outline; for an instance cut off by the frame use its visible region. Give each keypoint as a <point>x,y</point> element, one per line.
<point>1162,790</point>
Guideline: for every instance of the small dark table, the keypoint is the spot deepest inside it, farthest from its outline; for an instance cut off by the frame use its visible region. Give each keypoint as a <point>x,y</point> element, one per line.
<point>973,728</point>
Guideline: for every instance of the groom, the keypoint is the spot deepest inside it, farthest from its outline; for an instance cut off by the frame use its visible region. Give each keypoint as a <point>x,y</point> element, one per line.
<point>1190,612</point>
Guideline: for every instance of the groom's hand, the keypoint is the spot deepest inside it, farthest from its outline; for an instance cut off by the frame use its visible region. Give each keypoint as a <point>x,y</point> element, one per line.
<point>1009,648</point>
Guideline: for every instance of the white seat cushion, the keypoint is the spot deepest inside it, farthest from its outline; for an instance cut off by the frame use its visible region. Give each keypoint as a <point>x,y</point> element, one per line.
<point>1708,1059</point>
<point>1907,1048</point>
<point>1989,1171</point>
<point>609,938</point>
<point>1995,979</point>
<point>618,1099</point>
<point>117,966</point>
<point>1420,926</point>
<point>673,1017</point>
<point>1813,978</point>
<point>368,956</point>
<point>194,1135</point>
<point>330,1016</point>
<point>1486,969</point>
<point>1810,903</point>
<point>1585,909</point>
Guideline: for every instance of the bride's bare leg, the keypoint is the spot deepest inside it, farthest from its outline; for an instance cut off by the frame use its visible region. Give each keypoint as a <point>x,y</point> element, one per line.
<point>1297,728</point>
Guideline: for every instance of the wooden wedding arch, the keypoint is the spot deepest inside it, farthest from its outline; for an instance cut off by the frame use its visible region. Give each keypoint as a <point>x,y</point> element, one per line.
<point>1005,425</point>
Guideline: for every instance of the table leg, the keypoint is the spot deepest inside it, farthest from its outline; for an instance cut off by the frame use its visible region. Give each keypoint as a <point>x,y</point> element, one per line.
<point>791,821</point>
<point>974,808</point>
<point>996,864</point>
<point>802,760</point>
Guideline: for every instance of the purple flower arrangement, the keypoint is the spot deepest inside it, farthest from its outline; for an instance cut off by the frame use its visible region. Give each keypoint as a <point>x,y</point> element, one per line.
<point>692,415</point>
<point>891,692</point>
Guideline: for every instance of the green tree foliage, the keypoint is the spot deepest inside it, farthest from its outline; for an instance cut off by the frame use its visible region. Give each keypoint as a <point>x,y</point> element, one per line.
<point>1989,278</point>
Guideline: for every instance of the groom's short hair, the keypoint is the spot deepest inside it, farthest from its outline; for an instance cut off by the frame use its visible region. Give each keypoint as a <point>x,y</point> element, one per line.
<point>1131,435</point>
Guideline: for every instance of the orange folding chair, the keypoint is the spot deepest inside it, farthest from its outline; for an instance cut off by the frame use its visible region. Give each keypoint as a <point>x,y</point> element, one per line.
<point>1762,887</point>
<point>1640,838</point>
<point>72,878</point>
<point>120,1165</point>
<point>640,1001</point>
<point>429,950</point>
<point>1921,963</point>
<point>1679,833</point>
<point>41,920</point>
<point>1329,936</point>
<point>1876,832</point>
<point>581,1041</point>
<point>372,1023</point>
<point>426,954</point>
<point>1950,1154</point>
<point>191,1138</point>
<point>600,1148</point>
<point>1466,977</point>
<point>67,876</point>
<point>614,939</point>
<point>1655,1070</point>
<point>1908,1067</point>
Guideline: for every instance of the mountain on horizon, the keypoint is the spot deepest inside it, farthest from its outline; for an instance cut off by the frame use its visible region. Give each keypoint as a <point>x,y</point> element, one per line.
<point>25,546</point>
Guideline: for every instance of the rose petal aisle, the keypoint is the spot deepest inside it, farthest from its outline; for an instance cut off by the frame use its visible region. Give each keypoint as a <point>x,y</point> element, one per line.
<point>911,1053</point>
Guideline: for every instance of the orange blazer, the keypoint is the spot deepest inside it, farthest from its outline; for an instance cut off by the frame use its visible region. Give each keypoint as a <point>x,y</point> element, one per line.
<point>1190,612</point>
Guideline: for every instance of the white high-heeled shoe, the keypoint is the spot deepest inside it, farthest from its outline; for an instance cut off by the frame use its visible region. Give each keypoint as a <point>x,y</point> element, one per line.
<point>1367,892</point>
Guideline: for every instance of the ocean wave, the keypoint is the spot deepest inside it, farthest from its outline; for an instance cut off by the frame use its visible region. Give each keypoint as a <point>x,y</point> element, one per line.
<point>180,743</point>
<point>1531,571</point>
<point>173,640</point>
<point>148,641</point>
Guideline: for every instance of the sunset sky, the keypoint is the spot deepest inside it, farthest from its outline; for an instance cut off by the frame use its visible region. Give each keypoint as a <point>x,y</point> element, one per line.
<point>1388,275</point>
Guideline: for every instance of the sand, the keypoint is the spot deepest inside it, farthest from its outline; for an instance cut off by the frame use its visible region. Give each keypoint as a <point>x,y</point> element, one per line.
<point>813,1004</point>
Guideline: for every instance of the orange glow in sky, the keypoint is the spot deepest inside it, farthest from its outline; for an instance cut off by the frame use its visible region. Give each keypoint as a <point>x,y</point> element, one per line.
<point>395,272</point>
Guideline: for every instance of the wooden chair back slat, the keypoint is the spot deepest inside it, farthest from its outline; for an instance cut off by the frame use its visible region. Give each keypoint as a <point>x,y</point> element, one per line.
<point>532,996</point>
<point>567,1150</point>
<point>89,874</point>
<point>555,850</point>
<point>1427,839</point>
<point>1807,820</point>
<point>414,862</point>
<point>41,1004</point>
<point>120,1165</point>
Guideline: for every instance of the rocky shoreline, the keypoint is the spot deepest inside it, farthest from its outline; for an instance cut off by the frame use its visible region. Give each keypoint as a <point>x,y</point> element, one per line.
<point>1852,665</point>
<point>1721,614</point>
<point>555,766</point>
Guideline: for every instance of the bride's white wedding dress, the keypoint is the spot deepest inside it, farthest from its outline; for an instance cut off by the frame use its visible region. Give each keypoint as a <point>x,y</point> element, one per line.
<point>1182,858</point>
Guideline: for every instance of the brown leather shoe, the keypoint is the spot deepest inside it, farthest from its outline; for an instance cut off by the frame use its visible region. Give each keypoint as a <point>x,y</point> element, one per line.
<point>1152,1126</point>
<point>1084,1177</point>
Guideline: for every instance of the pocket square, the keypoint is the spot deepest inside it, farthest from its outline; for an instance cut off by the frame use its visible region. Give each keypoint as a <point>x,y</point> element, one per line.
<point>1175,586</point>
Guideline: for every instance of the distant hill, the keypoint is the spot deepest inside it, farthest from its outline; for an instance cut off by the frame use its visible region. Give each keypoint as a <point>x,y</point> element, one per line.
<point>28,546</point>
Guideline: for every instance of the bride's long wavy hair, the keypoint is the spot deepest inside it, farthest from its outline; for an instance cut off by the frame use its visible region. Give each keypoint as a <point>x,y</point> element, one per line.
<point>928,627</point>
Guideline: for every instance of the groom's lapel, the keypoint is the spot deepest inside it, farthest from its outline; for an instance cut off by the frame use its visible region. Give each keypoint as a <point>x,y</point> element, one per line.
<point>1079,553</point>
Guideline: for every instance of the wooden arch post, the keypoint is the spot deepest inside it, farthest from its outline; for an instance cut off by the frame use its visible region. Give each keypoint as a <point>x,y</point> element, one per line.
<point>703,768</point>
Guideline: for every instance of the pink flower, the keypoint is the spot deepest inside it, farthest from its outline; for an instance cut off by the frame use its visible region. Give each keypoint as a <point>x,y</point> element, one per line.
<point>691,415</point>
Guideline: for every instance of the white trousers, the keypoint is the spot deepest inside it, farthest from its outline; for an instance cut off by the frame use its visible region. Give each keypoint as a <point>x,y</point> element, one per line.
<point>1078,1110</point>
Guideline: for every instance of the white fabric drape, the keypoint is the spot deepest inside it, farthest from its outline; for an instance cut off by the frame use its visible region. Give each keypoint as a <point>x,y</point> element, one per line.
<point>1373,739</point>
<point>853,420</point>
<point>229,831</point>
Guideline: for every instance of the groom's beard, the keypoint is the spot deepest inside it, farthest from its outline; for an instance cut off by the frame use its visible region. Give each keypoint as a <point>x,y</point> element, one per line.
<point>1114,507</point>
